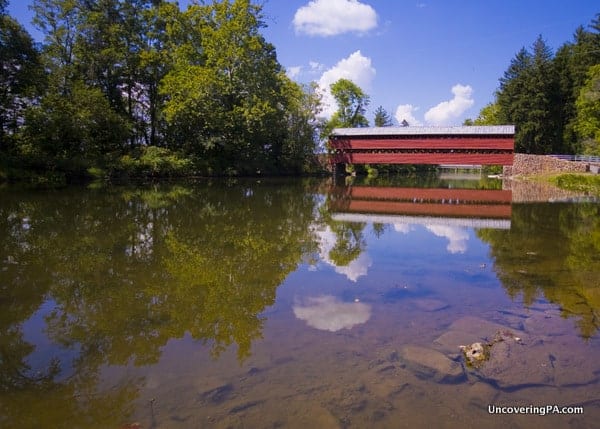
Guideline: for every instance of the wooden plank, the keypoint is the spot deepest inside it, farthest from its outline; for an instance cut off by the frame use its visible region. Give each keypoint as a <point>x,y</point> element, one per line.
<point>454,210</point>
<point>425,143</point>
<point>423,158</point>
<point>431,194</point>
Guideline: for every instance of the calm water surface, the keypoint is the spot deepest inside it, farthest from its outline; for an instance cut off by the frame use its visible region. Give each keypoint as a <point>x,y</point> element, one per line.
<point>265,304</point>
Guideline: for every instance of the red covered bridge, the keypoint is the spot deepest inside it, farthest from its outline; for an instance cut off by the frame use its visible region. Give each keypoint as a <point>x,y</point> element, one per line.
<point>468,145</point>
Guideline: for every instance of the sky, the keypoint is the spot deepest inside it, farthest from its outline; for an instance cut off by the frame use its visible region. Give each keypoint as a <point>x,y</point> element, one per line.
<point>430,62</point>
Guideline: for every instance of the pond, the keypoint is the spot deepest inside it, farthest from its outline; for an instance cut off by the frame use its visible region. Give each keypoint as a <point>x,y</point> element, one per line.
<point>299,303</point>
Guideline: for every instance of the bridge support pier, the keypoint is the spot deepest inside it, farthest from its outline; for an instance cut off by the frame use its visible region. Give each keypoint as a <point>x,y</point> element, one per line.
<point>339,169</point>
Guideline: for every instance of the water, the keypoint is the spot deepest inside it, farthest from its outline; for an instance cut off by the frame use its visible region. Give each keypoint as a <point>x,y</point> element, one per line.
<point>264,303</point>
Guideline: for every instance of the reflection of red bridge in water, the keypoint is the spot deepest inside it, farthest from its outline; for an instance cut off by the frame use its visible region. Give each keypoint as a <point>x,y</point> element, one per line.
<point>473,145</point>
<point>467,207</point>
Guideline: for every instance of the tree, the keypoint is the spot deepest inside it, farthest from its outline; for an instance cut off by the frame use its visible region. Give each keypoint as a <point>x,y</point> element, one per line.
<point>203,83</point>
<point>301,124</point>
<point>71,132</point>
<point>572,62</point>
<point>351,102</point>
<point>382,118</point>
<point>588,112</point>
<point>529,98</point>
<point>226,104</point>
<point>489,115</point>
<point>21,75</point>
<point>58,20</point>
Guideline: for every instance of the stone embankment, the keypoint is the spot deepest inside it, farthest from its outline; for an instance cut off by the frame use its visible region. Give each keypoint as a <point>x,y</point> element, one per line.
<point>527,165</point>
<point>529,191</point>
<point>539,191</point>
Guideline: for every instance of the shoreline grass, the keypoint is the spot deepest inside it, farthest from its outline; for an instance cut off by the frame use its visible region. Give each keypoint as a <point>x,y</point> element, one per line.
<point>580,182</point>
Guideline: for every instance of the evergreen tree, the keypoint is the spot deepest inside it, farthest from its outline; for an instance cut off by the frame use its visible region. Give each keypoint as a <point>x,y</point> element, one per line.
<point>573,61</point>
<point>382,118</point>
<point>528,97</point>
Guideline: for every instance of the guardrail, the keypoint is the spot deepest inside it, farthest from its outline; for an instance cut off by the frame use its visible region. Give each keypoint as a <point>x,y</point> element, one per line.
<point>580,158</point>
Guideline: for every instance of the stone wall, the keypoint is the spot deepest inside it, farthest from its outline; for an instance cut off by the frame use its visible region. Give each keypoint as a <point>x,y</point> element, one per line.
<point>528,191</point>
<point>525,165</point>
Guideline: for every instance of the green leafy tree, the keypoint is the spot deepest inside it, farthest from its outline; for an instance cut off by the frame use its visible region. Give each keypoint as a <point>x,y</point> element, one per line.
<point>58,20</point>
<point>158,34</point>
<point>125,74</point>
<point>21,76</point>
<point>382,118</point>
<point>588,113</point>
<point>489,115</point>
<point>71,132</point>
<point>352,103</point>
<point>301,124</point>
<point>226,104</point>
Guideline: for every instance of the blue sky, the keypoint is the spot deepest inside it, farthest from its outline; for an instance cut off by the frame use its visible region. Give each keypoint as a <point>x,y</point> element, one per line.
<point>432,62</point>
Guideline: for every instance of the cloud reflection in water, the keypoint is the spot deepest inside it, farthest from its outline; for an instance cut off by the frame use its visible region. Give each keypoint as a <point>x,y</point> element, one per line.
<point>457,237</point>
<point>328,313</point>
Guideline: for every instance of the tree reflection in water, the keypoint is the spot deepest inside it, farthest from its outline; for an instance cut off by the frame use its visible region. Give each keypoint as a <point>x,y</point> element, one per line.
<point>552,250</point>
<point>111,275</point>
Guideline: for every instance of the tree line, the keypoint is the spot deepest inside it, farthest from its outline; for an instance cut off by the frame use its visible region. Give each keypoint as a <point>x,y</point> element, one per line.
<point>552,98</point>
<point>142,87</point>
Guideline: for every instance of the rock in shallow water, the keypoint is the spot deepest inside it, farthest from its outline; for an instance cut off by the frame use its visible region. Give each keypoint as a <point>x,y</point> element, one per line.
<point>430,364</point>
<point>430,304</point>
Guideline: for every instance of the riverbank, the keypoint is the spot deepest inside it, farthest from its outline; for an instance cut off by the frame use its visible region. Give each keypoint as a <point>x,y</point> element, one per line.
<point>546,172</point>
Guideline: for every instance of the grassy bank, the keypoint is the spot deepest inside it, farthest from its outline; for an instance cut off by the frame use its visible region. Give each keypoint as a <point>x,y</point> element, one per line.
<point>588,183</point>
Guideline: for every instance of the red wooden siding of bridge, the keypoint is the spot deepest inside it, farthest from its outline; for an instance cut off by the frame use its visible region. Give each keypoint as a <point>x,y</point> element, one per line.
<point>499,211</point>
<point>429,194</point>
<point>423,145</point>
<point>468,203</point>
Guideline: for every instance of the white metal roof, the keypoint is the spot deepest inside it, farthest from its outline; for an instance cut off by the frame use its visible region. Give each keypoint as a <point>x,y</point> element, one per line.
<point>411,131</point>
<point>422,220</point>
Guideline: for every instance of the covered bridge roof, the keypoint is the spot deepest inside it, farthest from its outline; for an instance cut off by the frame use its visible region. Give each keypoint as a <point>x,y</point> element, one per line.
<point>433,131</point>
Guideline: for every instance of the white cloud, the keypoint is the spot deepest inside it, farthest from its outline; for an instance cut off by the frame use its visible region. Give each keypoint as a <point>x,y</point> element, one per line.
<point>355,269</point>
<point>293,72</point>
<point>316,67</point>
<point>446,111</point>
<point>332,17</point>
<point>329,314</point>
<point>457,237</point>
<point>356,68</point>
<point>403,228</point>
<point>406,112</point>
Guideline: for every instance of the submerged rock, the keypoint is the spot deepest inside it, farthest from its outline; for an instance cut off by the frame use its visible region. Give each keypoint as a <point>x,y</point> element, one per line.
<point>467,330</point>
<point>511,366</point>
<point>430,364</point>
<point>430,304</point>
<point>513,359</point>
